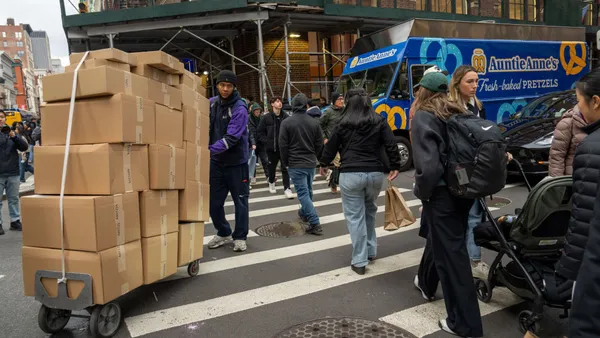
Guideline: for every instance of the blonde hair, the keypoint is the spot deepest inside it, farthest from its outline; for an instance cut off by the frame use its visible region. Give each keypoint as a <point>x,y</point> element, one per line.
<point>436,103</point>
<point>454,93</point>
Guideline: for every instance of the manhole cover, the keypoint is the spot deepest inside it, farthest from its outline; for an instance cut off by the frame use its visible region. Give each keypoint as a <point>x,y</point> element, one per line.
<point>343,328</point>
<point>497,202</point>
<point>281,229</point>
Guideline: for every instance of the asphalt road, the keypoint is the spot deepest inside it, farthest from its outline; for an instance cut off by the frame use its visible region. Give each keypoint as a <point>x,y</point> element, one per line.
<point>279,283</point>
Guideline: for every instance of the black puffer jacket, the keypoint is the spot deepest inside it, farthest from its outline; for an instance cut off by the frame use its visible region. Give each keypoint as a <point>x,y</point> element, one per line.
<point>9,157</point>
<point>268,130</point>
<point>586,176</point>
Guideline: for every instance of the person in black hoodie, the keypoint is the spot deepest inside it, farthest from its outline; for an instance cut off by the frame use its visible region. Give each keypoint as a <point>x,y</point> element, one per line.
<point>259,149</point>
<point>582,247</point>
<point>10,145</point>
<point>445,218</point>
<point>268,134</point>
<point>359,139</point>
<point>300,144</point>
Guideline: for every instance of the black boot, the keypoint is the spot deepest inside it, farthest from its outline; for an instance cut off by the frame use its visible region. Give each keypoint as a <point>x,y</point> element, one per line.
<point>1,230</point>
<point>359,270</point>
<point>16,225</point>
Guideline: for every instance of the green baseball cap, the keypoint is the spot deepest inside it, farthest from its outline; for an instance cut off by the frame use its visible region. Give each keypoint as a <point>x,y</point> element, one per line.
<point>435,81</point>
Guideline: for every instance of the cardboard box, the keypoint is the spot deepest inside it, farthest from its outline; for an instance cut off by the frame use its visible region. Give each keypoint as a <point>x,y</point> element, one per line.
<point>111,54</point>
<point>93,63</point>
<point>159,212</point>
<point>97,169</point>
<point>197,163</point>
<point>193,81</point>
<point>156,74</point>
<point>113,119</point>
<point>195,126</point>
<point>169,126</point>
<point>91,223</point>
<point>167,167</point>
<point>159,257</point>
<point>160,60</point>
<point>194,202</point>
<point>164,94</point>
<point>191,242</point>
<point>93,82</point>
<point>195,100</point>
<point>114,271</point>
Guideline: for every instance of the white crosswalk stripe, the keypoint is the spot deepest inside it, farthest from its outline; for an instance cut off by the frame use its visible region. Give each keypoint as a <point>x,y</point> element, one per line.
<point>420,320</point>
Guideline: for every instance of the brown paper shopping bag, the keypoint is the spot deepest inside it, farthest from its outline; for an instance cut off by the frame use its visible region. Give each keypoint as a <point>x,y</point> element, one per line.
<point>397,212</point>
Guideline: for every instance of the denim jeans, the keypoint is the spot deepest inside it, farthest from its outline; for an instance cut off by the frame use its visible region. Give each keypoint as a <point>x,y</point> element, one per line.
<point>359,201</point>
<point>225,180</point>
<point>24,167</point>
<point>11,185</point>
<point>475,216</point>
<point>303,180</point>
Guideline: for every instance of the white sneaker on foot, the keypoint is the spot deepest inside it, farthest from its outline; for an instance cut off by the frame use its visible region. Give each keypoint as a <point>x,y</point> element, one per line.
<point>416,282</point>
<point>272,188</point>
<point>239,245</point>
<point>218,241</point>
<point>288,193</point>
<point>480,270</point>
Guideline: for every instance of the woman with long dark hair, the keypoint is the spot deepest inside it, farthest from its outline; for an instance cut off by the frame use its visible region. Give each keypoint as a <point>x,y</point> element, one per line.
<point>366,145</point>
<point>445,258</point>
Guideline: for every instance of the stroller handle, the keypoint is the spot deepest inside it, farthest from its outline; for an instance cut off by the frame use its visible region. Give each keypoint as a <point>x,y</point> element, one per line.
<point>522,174</point>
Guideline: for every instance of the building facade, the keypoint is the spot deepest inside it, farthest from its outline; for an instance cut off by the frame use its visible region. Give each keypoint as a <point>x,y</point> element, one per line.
<point>20,87</point>
<point>8,93</point>
<point>41,50</point>
<point>15,40</point>
<point>57,67</point>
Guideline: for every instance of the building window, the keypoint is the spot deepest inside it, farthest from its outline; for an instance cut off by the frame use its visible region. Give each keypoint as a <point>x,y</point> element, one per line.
<point>19,35</point>
<point>19,44</point>
<point>532,10</point>
<point>3,34</point>
<point>444,6</point>
<point>5,44</point>
<point>21,53</point>
<point>516,9</point>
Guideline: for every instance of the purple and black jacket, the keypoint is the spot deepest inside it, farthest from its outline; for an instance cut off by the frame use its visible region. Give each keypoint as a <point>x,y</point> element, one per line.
<point>228,143</point>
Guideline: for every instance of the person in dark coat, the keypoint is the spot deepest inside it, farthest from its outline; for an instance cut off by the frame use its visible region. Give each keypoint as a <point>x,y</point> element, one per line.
<point>582,248</point>
<point>228,145</point>
<point>301,143</point>
<point>268,134</point>
<point>314,112</point>
<point>256,113</point>
<point>10,145</point>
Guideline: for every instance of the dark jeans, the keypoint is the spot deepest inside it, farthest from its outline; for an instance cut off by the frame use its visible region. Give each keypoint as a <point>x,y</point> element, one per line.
<point>225,180</point>
<point>24,167</point>
<point>274,158</point>
<point>446,260</point>
<point>261,153</point>
<point>303,179</point>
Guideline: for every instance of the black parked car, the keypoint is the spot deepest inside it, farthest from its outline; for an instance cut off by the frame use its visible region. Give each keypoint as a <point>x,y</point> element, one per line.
<point>530,131</point>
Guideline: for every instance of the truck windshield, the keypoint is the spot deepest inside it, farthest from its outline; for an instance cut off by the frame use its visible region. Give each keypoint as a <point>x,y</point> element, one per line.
<point>375,81</point>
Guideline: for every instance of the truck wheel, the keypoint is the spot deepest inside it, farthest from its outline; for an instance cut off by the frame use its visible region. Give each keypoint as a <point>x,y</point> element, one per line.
<point>405,153</point>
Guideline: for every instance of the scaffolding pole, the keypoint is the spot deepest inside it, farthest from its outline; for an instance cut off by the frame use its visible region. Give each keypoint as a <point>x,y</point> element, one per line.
<point>261,60</point>
<point>110,41</point>
<point>171,39</point>
<point>325,69</point>
<point>287,65</point>
<point>232,51</point>
<point>212,82</point>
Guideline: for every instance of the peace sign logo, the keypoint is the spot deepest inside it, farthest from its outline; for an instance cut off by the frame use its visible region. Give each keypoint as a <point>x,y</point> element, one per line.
<point>576,63</point>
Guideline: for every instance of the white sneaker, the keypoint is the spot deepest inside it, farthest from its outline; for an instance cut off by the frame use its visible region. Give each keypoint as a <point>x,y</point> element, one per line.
<point>253,180</point>
<point>239,245</point>
<point>416,282</point>
<point>443,324</point>
<point>288,193</point>
<point>480,270</point>
<point>218,241</point>
<point>272,188</point>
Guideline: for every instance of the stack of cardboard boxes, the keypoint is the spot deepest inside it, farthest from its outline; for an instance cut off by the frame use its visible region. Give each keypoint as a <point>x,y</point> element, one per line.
<point>130,176</point>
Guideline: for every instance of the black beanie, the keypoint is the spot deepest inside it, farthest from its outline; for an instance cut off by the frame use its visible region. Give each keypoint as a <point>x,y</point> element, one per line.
<point>335,96</point>
<point>227,76</point>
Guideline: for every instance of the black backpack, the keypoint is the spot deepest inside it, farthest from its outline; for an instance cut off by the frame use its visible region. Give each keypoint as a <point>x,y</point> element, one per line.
<point>476,157</point>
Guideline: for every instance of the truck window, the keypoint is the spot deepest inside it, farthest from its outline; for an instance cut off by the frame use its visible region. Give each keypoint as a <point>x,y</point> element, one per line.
<point>350,81</point>
<point>400,89</point>
<point>416,72</point>
<point>377,82</point>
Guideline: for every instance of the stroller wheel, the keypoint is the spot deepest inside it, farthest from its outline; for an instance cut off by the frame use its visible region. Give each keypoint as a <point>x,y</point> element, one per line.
<point>484,290</point>
<point>528,323</point>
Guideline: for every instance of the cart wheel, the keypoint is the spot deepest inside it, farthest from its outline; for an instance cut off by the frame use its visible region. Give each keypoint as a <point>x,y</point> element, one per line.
<point>193,268</point>
<point>484,290</point>
<point>105,320</point>
<point>526,323</point>
<point>53,320</point>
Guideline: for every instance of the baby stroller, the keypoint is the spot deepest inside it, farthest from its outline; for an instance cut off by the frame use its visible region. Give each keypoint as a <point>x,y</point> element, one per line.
<point>533,243</point>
